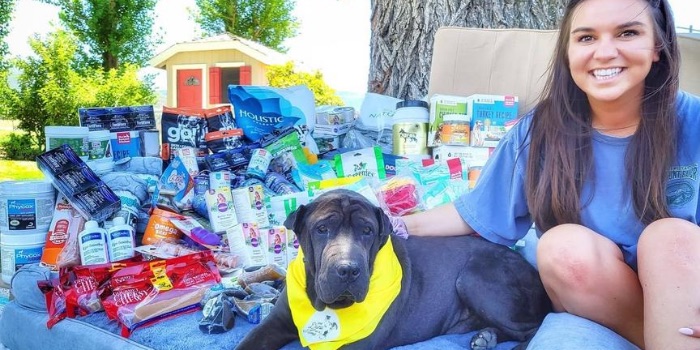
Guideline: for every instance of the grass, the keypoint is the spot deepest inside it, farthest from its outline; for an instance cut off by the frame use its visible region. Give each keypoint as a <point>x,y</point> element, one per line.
<point>19,170</point>
<point>15,169</point>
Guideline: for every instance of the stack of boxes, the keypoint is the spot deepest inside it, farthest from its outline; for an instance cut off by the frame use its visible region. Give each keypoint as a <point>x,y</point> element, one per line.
<point>469,128</point>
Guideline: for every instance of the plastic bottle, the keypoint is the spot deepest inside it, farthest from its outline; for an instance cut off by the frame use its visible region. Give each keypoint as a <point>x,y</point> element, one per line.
<point>92,242</point>
<point>121,240</point>
<point>410,129</point>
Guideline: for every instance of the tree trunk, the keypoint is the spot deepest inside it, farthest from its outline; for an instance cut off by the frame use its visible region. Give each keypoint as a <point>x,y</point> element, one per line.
<point>109,61</point>
<point>401,44</point>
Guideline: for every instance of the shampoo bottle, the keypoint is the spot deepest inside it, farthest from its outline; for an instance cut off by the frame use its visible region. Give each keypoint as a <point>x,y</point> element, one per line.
<point>120,240</point>
<point>93,244</point>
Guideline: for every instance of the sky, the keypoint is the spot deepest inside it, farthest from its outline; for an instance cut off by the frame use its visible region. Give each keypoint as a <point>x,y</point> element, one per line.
<point>333,36</point>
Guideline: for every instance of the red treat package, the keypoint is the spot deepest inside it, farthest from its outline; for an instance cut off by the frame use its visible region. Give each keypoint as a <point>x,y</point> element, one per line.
<point>90,284</point>
<point>400,195</point>
<point>159,289</point>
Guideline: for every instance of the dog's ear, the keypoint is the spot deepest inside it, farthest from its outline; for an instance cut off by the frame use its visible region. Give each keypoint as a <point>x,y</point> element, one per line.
<point>385,226</point>
<point>295,219</point>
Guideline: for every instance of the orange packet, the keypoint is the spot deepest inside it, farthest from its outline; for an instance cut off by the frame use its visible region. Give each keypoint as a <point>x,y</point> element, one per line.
<point>160,228</point>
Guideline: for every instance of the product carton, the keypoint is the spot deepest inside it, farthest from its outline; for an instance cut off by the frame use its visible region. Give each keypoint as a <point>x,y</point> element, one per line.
<point>441,105</point>
<point>488,115</point>
<point>474,156</point>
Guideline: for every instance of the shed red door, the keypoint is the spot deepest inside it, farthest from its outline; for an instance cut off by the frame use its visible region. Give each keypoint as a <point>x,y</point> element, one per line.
<point>189,88</point>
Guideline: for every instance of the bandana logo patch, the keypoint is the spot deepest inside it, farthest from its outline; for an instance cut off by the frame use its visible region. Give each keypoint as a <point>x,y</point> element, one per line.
<point>322,326</point>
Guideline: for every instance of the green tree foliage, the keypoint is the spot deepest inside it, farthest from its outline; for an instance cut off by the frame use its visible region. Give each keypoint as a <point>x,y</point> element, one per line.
<point>6,7</point>
<point>283,76</point>
<point>51,90</point>
<point>268,22</point>
<point>113,32</point>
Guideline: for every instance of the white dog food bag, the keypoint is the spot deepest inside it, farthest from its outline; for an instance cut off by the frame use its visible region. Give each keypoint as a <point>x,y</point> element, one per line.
<point>279,207</point>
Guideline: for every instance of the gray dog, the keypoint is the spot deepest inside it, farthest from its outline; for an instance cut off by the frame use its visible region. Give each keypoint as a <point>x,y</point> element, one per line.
<point>447,285</point>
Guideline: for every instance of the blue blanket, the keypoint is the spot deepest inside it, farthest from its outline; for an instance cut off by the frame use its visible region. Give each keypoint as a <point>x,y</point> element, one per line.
<point>23,326</point>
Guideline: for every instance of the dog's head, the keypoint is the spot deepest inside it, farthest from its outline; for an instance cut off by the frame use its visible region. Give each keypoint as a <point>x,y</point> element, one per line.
<point>340,234</point>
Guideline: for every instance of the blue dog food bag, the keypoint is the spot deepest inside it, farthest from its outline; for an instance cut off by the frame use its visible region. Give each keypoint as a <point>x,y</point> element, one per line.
<point>259,110</point>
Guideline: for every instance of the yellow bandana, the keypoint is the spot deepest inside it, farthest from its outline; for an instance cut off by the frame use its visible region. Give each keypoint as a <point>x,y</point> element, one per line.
<point>330,328</point>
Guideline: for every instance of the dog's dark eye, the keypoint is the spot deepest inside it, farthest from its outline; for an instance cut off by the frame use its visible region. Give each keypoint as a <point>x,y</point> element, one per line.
<point>322,229</point>
<point>367,230</point>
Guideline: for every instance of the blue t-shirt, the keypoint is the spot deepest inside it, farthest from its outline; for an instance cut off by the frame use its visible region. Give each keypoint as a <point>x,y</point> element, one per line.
<point>497,206</point>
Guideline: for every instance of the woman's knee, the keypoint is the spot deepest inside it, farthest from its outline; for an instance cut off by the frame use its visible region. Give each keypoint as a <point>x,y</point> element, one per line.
<point>569,257</point>
<point>669,243</point>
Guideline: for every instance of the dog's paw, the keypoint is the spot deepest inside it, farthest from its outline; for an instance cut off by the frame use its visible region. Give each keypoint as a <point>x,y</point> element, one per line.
<point>484,339</point>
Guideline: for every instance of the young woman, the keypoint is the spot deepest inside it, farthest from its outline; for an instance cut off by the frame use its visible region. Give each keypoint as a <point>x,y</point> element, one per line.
<point>606,166</point>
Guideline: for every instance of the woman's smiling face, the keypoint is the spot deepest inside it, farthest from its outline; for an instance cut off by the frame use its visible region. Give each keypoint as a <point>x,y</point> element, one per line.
<point>611,48</point>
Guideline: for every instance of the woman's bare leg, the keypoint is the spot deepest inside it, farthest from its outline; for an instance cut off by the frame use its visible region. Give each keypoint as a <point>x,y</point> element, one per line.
<point>585,274</point>
<point>669,270</point>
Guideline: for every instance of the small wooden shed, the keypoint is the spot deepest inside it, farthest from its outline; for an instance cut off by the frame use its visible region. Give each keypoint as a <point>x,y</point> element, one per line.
<point>199,71</point>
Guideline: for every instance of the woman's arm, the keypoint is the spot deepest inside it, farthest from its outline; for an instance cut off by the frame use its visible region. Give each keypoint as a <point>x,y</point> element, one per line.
<point>440,221</point>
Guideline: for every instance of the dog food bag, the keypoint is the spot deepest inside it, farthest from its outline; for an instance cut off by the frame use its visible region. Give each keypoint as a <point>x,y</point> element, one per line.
<point>279,207</point>
<point>220,118</point>
<point>259,110</point>
<point>277,245</point>
<point>367,162</point>
<point>183,128</point>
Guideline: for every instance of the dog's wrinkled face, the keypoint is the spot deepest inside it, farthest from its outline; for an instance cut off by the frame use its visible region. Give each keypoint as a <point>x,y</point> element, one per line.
<point>340,233</point>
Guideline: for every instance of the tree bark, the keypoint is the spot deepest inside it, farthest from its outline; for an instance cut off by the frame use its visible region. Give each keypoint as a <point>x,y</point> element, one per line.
<point>401,43</point>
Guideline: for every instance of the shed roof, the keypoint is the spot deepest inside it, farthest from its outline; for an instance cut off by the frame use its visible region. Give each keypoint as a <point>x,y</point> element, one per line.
<point>224,41</point>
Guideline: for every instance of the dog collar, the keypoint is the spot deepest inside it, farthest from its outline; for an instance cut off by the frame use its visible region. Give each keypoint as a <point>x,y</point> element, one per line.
<point>331,328</point>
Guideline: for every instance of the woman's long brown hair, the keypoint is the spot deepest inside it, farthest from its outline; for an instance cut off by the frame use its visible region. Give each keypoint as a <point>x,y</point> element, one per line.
<point>561,158</point>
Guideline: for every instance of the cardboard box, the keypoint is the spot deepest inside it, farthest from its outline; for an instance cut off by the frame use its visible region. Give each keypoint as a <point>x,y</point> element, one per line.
<point>488,115</point>
<point>472,155</point>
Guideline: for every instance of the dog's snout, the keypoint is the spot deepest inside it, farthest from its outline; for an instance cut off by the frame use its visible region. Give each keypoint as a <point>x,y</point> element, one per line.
<point>348,271</point>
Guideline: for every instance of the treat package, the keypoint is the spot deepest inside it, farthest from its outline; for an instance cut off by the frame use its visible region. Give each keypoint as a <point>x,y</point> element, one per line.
<point>256,274</point>
<point>160,289</point>
<point>218,315</point>
<point>88,284</point>
<point>55,301</point>
<point>77,291</point>
<point>400,196</point>
<point>61,248</point>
